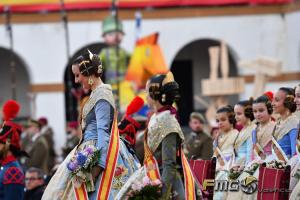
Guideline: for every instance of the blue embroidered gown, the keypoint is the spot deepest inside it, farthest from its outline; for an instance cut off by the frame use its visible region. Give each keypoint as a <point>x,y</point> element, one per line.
<point>97,117</point>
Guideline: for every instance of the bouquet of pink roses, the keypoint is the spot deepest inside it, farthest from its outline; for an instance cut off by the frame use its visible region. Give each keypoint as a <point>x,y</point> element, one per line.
<point>146,190</point>
<point>81,165</point>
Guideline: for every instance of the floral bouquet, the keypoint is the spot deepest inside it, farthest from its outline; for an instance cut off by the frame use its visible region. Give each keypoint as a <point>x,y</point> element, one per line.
<point>276,164</point>
<point>146,190</point>
<point>81,165</point>
<point>253,166</point>
<point>235,172</point>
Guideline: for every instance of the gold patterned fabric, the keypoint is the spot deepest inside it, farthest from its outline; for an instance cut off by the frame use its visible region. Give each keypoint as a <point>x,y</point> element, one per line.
<point>283,127</point>
<point>226,141</point>
<point>244,135</point>
<point>297,114</point>
<point>160,125</point>
<point>264,133</point>
<point>103,91</point>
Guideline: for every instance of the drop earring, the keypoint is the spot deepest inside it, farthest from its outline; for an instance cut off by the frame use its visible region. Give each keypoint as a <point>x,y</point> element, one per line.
<point>90,81</point>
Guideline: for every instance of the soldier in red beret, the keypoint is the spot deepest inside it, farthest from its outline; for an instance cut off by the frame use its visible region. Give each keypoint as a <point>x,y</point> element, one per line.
<point>11,173</point>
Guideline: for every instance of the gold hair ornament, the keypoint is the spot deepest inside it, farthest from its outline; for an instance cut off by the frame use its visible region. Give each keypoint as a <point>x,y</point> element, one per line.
<point>90,81</point>
<point>168,79</point>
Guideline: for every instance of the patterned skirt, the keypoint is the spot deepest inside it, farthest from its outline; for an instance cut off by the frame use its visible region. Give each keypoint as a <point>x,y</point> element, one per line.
<point>60,186</point>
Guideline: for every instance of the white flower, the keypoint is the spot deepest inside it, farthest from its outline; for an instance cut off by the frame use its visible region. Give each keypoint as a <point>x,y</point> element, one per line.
<point>136,186</point>
<point>81,175</point>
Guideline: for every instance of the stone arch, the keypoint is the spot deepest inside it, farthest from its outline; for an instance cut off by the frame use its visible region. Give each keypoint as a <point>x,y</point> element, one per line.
<point>190,65</point>
<point>22,80</point>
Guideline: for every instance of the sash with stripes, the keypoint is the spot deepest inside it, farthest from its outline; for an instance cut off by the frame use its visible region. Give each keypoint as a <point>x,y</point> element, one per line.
<point>257,149</point>
<point>81,192</point>
<point>220,156</point>
<point>152,170</point>
<point>111,162</point>
<point>150,163</point>
<point>280,155</point>
<point>189,182</point>
<point>108,173</point>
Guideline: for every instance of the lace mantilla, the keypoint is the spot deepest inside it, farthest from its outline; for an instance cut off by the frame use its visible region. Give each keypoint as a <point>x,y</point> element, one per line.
<point>283,127</point>
<point>161,125</point>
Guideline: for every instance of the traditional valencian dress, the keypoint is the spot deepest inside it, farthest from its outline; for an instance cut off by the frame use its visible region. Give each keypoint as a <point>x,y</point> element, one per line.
<point>224,151</point>
<point>295,164</point>
<point>99,128</point>
<point>164,158</point>
<point>243,148</point>
<point>297,114</point>
<point>295,172</point>
<point>261,144</point>
<point>284,138</point>
<point>262,140</point>
<point>243,145</point>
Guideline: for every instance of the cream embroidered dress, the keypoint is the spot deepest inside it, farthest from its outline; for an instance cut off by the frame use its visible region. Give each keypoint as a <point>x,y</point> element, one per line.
<point>97,117</point>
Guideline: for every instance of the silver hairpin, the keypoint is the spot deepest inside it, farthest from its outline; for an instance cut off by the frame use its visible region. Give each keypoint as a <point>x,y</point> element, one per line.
<point>90,55</point>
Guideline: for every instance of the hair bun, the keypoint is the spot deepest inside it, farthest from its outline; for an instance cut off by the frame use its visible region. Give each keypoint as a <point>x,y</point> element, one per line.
<point>229,107</point>
<point>251,99</point>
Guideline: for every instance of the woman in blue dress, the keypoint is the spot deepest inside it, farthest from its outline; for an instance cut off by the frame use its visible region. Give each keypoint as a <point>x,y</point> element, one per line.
<point>285,132</point>
<point>243,142</point>
<point>98,122</point>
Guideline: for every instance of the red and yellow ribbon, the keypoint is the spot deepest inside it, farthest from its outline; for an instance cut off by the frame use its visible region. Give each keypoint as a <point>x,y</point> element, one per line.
<point>150,162</point>
<point>81,193</point>
<point>153,173</point>
<point>189,182</point>
<point>111,162</point>
<point>109,171</point>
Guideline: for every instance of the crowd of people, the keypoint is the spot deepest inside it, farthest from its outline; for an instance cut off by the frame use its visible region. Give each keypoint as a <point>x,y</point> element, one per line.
<point>99,157</point>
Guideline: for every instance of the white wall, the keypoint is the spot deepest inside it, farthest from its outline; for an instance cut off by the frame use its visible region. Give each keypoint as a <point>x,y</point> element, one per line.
<point>42,47</point>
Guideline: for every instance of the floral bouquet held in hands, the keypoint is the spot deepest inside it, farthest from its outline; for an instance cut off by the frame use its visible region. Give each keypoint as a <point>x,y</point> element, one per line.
<point>277,164</point>
<point>81,165</point>
<point>235,172</point>
<point>146,190</point>
<point>251,169</point>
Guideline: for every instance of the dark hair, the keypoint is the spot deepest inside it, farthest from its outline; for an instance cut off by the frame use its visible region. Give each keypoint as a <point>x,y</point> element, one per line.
<point>167,93</point>
<point>266,100</point>
<point>289,98</point>
<point>89,64</point>
<point>230,113</point>
<point>39,172</point>
<point>247,104</point>
<point>35,123</point>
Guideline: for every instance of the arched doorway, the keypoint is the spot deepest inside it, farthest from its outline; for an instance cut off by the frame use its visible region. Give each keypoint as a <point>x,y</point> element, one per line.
<point>190,66</point>
<point>71,102</point>
<point>22,81</point>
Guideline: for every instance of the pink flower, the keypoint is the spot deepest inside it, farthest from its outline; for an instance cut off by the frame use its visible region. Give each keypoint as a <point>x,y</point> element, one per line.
<point>119,171</point>
<point>156,182</point>
<point>146,181</point>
